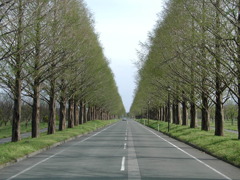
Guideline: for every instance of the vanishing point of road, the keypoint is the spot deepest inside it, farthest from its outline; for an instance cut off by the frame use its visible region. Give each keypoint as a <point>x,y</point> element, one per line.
<point>124,150</point>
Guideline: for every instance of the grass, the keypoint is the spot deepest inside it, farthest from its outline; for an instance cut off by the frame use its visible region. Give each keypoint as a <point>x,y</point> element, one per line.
<point>9,152</point>
<point>227,124</point>
<point>226,148</point>
<point>6,131</point>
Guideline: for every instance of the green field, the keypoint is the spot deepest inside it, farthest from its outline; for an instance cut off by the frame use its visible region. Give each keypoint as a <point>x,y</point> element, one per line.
<point>226,148</point>
<point>227,124</point>
<point>6,131</point>
<point>9,152</point>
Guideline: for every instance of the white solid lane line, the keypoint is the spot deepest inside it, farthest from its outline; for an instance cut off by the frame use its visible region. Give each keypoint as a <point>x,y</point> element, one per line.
<point>123,164</point>
<point>29,168</point>
<point>125,145</point>
<point>218,172</point>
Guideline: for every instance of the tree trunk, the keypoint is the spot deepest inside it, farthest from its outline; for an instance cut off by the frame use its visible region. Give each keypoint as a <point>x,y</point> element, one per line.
<point>81,113</point>
<point>160,113</point>
<point>52,110</point>
<point>205,113</point>
<point>94,113</point>
<point>238,66</point>
<point>163,113</point>
<point>193,115</point>
<point>219,115</point>
<point>16,111</point>
<point>173,113</point>
<point>100,114</point>
<point>63,112</point>
<point>36,109</point>
<point>18,82</point>
<point>84,113</point>
<point>205,108</point>
<point>89,114</point>
<point>192,91</point>
<point>70,113</point>
<point>76,113</point>
<point>169,110</point>
<point>166,113</point>
<point>178,113</point>
<point>218,85</point>
<point>184,113</point>
<point>36,85</point>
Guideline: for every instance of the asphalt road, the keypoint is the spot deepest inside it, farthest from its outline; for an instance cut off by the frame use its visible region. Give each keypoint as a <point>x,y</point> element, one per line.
<point>125,150</point>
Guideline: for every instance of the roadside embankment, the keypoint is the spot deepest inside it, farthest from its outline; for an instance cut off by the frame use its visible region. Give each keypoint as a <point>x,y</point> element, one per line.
<point>226,148</point>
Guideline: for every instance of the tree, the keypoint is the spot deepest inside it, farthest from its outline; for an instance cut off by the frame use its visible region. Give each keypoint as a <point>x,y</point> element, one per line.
<point>193,51</point>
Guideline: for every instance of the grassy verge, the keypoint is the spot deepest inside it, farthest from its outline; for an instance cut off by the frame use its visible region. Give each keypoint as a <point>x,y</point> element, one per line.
<point>6,131</point>
<point>11,151</point>
<point>226,148</point>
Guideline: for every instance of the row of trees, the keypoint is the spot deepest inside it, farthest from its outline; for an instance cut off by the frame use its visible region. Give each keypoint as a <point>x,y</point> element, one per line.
<point>49,51</point>
<point>191,61</point>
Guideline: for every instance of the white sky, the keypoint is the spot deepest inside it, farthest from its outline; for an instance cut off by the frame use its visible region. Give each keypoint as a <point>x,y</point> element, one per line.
<point>121,25</point>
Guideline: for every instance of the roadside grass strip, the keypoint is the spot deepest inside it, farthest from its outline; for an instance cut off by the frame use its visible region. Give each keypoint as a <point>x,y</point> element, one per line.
<point>12,151</point>
<point>225,147</point>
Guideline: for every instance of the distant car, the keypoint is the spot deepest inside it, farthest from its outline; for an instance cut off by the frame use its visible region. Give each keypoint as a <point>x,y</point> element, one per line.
<point>124,119</point>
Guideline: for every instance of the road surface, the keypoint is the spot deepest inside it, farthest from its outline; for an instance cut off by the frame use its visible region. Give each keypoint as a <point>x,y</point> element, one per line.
<point>125,150</point>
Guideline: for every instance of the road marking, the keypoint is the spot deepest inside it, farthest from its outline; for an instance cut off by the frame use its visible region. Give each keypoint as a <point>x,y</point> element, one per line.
<point>125,145</point>
<point>133,168</point>
<point>123,164</point>
<point>29,168</point>
<point>218,172</point>
<point>125,138</point>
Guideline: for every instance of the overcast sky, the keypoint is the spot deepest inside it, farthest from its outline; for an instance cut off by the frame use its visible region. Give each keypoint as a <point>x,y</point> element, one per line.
<point>121,25</point>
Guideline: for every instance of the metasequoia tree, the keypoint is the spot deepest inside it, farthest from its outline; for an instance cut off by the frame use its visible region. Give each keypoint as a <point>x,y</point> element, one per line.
<point>37,66</point>
<point>13,56</point>
<point>191,57</point>
<point>50,52</point>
